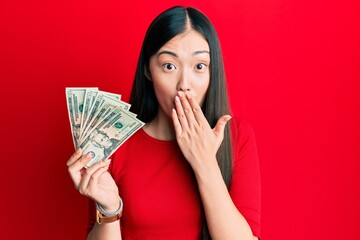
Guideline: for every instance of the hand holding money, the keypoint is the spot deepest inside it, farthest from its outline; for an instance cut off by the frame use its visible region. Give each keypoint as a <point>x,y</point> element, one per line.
<point>94,182</point>
<point>100,122</point>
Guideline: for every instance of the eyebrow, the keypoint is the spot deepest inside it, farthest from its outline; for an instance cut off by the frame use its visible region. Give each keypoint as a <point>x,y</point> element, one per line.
<point>175,55</point>
<point>201,52</point>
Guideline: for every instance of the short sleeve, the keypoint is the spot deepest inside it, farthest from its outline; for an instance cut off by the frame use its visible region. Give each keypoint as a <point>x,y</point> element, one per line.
<point>245,187</point>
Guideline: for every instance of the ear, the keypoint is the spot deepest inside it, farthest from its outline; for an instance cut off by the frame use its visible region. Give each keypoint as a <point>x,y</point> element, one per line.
<point>147,73</point>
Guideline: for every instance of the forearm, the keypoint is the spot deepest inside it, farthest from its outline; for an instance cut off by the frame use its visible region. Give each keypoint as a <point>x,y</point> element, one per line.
<point>223,219</point>
<point>106,231</point>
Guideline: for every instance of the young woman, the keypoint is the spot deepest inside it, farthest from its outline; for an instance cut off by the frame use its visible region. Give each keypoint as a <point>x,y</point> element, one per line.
<point>186,174</point>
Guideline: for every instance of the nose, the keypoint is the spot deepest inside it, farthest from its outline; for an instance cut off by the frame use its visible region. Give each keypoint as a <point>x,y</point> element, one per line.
<point>183,81</point>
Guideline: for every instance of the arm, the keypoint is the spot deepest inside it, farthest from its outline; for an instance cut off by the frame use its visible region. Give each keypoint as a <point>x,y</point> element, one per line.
<point>97,184</point>
<point>107,231</point>
<point>199,144</point>
<point>223,218</point>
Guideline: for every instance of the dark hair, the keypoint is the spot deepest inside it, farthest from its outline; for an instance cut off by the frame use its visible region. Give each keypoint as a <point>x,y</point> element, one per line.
<point>167,25</point>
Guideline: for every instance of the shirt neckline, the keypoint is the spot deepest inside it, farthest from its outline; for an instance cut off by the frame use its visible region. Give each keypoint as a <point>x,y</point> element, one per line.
<point>155,140</point>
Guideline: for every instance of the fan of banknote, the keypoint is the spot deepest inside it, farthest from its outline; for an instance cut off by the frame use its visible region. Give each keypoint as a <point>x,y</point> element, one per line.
<point>100,122</point>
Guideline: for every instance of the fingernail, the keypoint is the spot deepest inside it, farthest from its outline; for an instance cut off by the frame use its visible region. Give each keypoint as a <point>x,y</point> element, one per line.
<point>107,161</point>
<point>180,94</point>
<point>188,95</point>
<point>177,99</point>
<point>88,155</point>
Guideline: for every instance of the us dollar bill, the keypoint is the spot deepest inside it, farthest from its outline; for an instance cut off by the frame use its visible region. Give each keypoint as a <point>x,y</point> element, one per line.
<point>103,105</point>
<point>70,106</point>
<point>90,95</point>
<point>76,113</point>
<point>112,95</point>
<point>109,135</point>
<point>100,122</point>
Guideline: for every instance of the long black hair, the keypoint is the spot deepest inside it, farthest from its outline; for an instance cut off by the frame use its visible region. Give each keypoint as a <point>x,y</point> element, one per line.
<point>167,25</point>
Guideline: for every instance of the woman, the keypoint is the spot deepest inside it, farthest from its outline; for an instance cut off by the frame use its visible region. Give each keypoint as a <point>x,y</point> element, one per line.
<point>183,176</point>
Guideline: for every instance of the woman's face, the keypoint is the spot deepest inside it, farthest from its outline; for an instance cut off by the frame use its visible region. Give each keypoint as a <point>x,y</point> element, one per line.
<point>182,64</point>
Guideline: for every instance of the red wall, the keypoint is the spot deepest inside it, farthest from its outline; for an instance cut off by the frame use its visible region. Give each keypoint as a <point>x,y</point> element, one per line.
<point>293,70</point>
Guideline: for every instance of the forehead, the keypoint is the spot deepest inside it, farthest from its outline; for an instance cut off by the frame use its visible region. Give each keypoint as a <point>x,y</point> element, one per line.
<point>189,41</point>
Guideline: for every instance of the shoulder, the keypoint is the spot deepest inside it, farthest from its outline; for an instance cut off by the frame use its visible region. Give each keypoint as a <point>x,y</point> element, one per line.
<point>243,139</point>
<point>241,131</point>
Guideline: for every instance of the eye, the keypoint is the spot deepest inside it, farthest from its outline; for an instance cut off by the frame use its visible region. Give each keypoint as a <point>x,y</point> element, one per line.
<point>200,66</point>
<point>168,67</point>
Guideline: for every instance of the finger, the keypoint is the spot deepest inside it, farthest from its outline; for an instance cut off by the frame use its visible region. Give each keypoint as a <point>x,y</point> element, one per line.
<point>95,177</point>
<point>180,113</point>
<point>76,170</point>
<point>101,170</point>
<point>80,163</point>
<point>93,183</point>
<point>88,174</point>
<point>188,112</point>
<point>76,155</point>
<point>220,125</point>
<point>176,122</point>
<point>196,110</point>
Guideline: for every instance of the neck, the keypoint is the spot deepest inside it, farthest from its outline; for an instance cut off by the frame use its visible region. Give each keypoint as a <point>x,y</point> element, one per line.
<point>161,127</point>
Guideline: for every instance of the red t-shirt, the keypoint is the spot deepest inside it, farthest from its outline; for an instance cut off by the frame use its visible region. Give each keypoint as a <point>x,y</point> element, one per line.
<point>159,190</point>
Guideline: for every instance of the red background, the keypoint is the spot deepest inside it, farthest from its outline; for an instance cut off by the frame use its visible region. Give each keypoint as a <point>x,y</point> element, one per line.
<point>293,71</point>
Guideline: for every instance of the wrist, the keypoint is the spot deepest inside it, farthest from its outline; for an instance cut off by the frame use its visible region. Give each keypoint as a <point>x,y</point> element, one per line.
<point>111,206</point>
<point>207,171</point>
<point>112,210</point>
<point>103,216</point>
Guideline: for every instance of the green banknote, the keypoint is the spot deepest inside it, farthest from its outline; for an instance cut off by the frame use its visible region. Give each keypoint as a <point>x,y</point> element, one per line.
<point>100,122</point>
